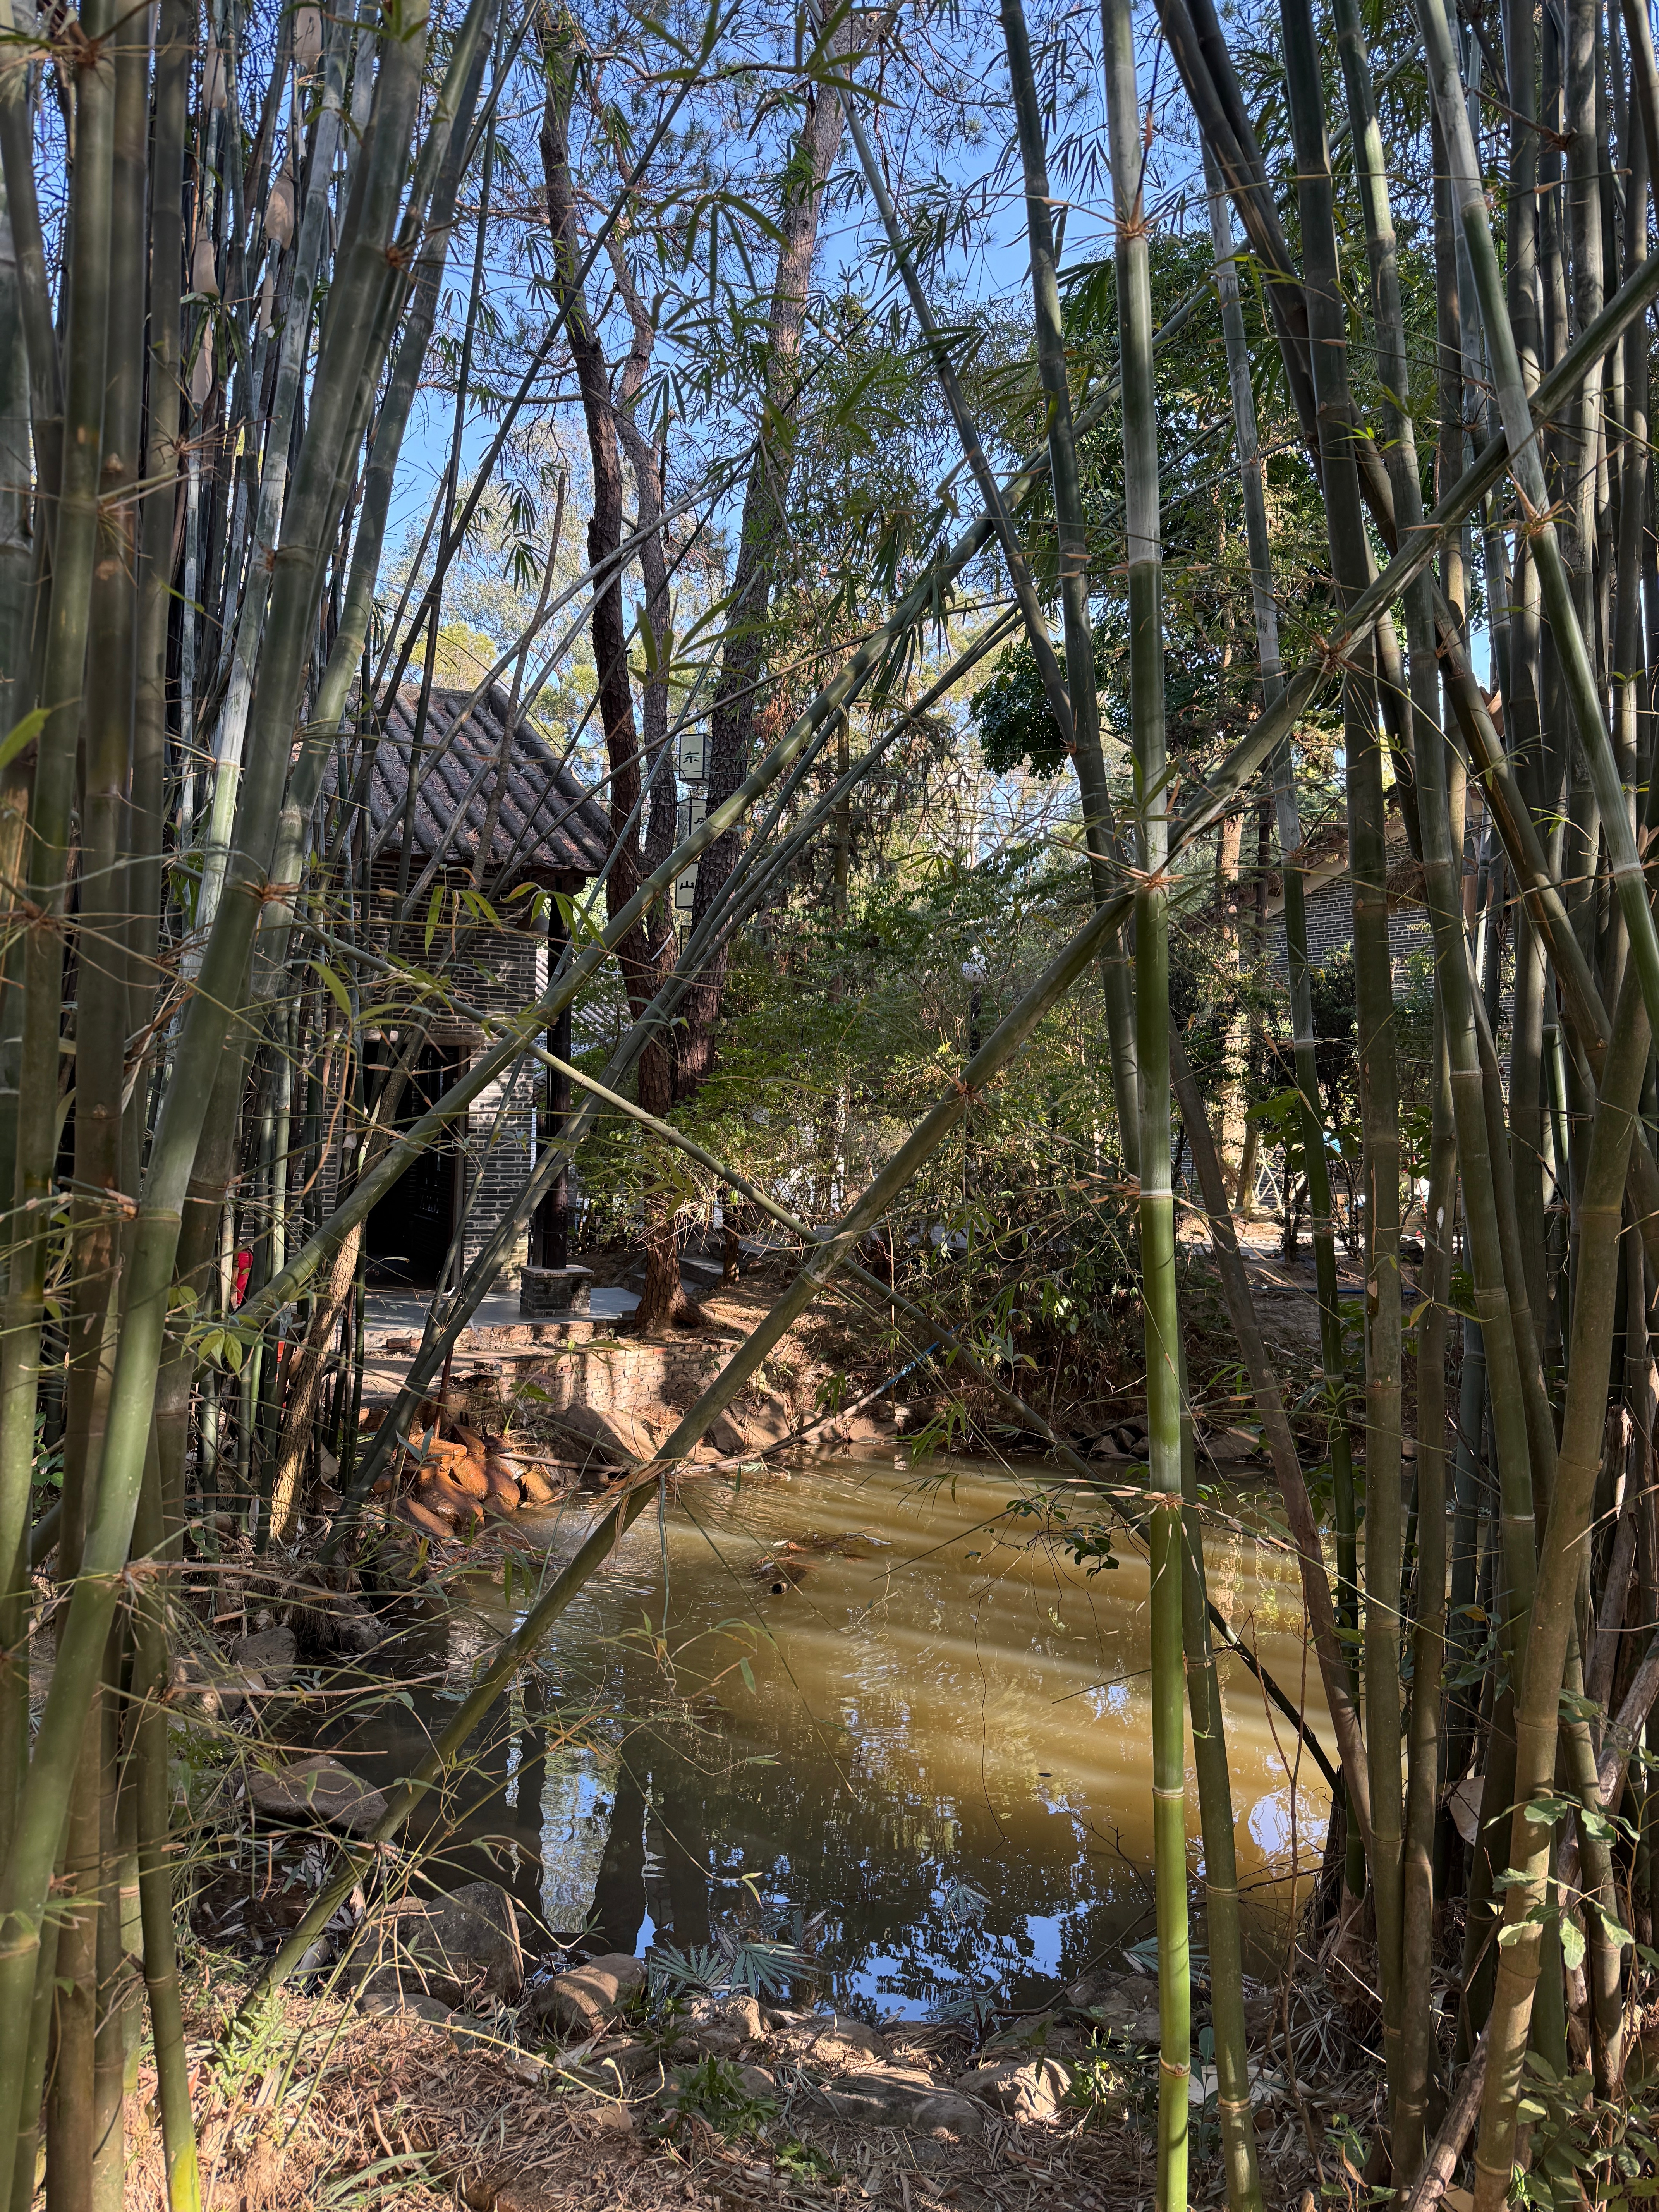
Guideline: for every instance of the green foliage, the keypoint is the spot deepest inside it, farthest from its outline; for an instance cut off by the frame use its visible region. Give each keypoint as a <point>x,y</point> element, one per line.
<point>801,2162</point>
<point>1583,2149</point>
<point>713,2091</point>
<point>1110,2087</point>
<point>1015,726</point>
<point>1210,661</point>
<point>731,1962</point>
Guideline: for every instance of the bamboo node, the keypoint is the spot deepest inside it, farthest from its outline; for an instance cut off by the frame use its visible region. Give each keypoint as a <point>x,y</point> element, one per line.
<point>1534,522</point>
<point>1333,654</point>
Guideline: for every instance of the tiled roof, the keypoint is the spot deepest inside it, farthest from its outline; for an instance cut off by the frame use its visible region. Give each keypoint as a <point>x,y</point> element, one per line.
<point>549,822</point>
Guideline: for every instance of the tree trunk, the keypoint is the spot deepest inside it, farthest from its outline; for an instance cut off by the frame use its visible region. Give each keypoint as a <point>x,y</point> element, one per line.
<point>641,953</point>
<point>663,1303</point>
<point>764,528</point>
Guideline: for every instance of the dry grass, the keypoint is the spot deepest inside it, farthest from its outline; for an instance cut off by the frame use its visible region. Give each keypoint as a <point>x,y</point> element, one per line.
<point>322,2107</point>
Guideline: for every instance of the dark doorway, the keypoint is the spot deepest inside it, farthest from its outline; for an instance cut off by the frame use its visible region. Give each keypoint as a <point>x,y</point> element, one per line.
<point>408,1233</point>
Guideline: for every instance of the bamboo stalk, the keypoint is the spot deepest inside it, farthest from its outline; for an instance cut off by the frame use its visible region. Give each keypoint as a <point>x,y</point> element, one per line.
<point>1333,1357</point>
<point>1600,1889</point>
<point>1577,672</point>
<point>17,568</point>
<point>1428,1631</point>
<point>1099,833</point>
<point>61,684</point>
<point>1552,1617</point>
<point>292,355</point>
<point>1334,1667</point>
<point>184,2180</point>
<point>1160,1304</point>
<point>1215,1804</point>
<point>344,365</point>
<point>1373,983</point>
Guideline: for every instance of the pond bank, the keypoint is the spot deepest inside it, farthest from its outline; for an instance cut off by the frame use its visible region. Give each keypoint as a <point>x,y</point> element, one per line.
<point>320,2103</point>
<point>870,1733</point>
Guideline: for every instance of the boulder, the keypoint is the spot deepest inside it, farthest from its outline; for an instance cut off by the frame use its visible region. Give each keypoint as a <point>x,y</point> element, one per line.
<point>1230,1447</point>
<point>327,1622</point>
<point>1127,2003</point>
<point>767,1420</point>
<point>727,1437</point>
<point>743,2013</point>
<point>582,2001</point>
<point>316,1789</point>
<point>867,1427</point>
<point>900,2097</point>
<point>462,1945</point>
<point>642,1435</point>
<point>1028,2089</point>
<point>749,1425</point>
<point>617,1437</point>
<point>272,1655</point>
<point>386,1998</point>
<point>849,2033</point>
<point>625,2056</point>
<point>1055,2034</point>
<point>723,2025</point>
<point>210,1690</point>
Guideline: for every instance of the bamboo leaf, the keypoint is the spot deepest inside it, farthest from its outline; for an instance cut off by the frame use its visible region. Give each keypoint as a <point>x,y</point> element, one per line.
<point>336,987</point>
<point>21,734</point>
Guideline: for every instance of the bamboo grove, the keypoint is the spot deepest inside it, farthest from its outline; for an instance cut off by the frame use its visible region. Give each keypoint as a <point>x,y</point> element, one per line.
<point>236,249</point>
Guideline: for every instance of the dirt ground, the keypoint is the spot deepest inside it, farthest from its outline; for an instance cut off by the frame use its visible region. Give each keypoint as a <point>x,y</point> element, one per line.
<point>319,2104</point>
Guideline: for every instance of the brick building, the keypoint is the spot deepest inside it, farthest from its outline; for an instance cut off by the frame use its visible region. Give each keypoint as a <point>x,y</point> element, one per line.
<point>1330,901</point>
<point>547,830</point>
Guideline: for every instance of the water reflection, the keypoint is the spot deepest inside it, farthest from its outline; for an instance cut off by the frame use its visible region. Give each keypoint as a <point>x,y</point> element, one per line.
<point>875,1715</point>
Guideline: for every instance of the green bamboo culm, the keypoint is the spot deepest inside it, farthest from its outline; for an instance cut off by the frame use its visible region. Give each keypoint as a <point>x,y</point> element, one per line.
<point>1316,1158</point>
<point>1099,829</point>
<point>1159,1299</point>
<point>1574,659</point>
<point>1551,1625</point>
<point>345,369</point>
<point>1223,1934</point>
<point>1379,1097</point>
<point>148,1722</point>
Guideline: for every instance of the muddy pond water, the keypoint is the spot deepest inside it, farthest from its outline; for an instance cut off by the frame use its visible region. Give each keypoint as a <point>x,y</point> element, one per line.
<point>871,1708</point>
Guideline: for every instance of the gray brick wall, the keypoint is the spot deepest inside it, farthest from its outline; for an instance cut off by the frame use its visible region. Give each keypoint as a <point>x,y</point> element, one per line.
<point>1330,929</point>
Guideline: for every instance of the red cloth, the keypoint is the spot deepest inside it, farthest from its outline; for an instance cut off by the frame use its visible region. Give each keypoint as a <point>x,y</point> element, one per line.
<point>244,1269</point>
